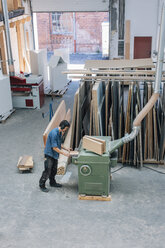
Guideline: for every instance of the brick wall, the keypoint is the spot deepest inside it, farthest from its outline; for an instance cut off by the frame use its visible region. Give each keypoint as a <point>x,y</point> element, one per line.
<point>88,32</point>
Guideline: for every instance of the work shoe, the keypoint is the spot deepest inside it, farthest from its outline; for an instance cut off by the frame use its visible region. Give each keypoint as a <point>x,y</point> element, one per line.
<point>44,189</point>
<point>55,185</point>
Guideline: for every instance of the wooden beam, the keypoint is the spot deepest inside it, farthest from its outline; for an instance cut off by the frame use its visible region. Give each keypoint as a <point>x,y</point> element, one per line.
<point>20,48</point>
<point>121,78</point>
<point>112,72</point>
<point>127,39</point>
<point>123,63</point>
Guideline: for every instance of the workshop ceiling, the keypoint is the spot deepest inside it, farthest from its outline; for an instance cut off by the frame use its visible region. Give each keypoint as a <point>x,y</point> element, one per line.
<point>70,5</point>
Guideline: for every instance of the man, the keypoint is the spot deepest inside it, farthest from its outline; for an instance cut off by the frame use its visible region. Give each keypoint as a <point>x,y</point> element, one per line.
<point>52,151</point>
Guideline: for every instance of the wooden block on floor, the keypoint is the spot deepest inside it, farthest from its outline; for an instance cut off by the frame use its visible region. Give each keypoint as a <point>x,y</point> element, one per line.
<point>94,198</point>
<point>95,145</point>
<point>25,162</point>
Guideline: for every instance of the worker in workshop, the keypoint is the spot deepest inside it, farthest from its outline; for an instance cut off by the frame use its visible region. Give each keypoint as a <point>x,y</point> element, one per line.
<point>52,150</point>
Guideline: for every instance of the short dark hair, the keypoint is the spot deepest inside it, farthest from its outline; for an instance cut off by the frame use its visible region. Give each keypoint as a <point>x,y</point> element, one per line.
<point>64,124</point>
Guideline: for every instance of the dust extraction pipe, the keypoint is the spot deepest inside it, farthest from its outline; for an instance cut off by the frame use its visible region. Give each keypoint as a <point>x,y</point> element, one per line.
<point>155,95</point>
<point>7,33</point>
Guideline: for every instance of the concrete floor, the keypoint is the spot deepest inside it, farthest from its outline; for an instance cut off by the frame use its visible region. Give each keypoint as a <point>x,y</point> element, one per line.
<point>30,218</point>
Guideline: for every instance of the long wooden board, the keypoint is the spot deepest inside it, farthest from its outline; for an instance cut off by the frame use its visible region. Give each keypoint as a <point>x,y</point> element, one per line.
<point>123,63</point>
<point>56,119</point>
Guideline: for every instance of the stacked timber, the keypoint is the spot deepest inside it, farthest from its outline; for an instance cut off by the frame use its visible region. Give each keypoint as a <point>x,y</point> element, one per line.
<point>110,96</point>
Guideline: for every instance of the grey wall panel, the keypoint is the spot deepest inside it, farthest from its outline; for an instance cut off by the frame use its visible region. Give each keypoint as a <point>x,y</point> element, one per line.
<point>69,5</point>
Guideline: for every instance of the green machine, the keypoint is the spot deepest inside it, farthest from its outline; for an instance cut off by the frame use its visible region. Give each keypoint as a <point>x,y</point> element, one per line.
<point>94,171</point>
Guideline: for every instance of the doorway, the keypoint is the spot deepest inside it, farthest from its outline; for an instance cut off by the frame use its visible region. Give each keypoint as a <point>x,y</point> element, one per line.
<point>142,47</point>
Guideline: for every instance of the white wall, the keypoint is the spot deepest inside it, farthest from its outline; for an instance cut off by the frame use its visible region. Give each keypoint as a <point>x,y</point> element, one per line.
<point>69,5</point>
<point>144,16</point>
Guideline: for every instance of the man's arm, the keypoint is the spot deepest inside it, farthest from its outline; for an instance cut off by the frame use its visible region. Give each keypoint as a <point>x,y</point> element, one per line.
<point>66,149</point>
<point>61,151</point>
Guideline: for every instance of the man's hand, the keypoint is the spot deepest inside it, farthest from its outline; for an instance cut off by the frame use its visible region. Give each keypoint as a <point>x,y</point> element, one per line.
<point>66,149</point>
<point>67,154</point>
<point>69,149</point>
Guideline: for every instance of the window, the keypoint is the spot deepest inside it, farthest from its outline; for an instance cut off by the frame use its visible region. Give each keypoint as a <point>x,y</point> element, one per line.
<point>61,23</point>
<point>120,48</point>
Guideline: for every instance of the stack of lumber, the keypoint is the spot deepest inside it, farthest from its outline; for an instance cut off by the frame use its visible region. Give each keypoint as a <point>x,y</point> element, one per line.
<point>118,70</point>
<point>60,115</point>
<point>108,107</point>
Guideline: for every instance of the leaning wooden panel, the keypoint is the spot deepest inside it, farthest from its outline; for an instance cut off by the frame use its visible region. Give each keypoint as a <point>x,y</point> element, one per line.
<point>74,120</point>
<point>3,52</point>
<point>55,121</point>
<point>150,126</point>
<point>127,124</point>
<point>63,160</point>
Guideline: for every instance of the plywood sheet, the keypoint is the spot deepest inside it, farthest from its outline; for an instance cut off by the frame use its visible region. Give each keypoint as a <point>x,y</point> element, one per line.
<point>55,121</point>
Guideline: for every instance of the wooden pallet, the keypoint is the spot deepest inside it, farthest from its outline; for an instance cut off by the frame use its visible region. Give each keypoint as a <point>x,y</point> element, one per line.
<point>4,117</point>
<point>94,197</point>
<point>57,93</point>
<point>25,163</point>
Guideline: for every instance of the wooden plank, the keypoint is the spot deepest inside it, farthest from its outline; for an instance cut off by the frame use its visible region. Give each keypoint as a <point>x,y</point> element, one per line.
<point>99,140</point>
<point>86,121</point>
<point>150,126</point>
<point>156,149</point>
<point>63,160</point>
<point>145,121</point>
<point>91,118</point>
<point>127,39</point>
<point>127,124</point>
<point>123,63</point>
<point>162,126</point>
<point>121,72</point>
<point>55,121</point>
<point>17,4</point>
<point>95,96</point>
<point>68,115</point>
<point>3,52</point>
<point>98,93</point>
<point>74,120</point>
<point>118,78</point>
<point>94,198</point>
<point>108,101</point>
<point>93,145</point>
<point>20,46</point>
<point>10,5</point>
<point>25,162</point>
<point>81,94</point>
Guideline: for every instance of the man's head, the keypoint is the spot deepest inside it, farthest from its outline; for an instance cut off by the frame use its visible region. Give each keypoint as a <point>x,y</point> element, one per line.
<point>64,125</point>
